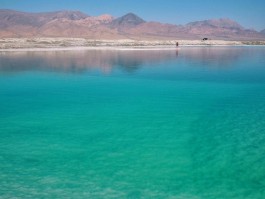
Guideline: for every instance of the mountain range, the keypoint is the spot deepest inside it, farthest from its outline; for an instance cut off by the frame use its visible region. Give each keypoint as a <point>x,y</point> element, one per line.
<point>130,26</point>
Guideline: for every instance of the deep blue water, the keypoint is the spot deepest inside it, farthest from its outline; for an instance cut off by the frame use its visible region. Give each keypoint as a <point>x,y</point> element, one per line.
<point>187,123</point>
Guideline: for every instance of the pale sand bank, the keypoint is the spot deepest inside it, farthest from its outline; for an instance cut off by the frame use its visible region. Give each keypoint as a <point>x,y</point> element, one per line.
<point>56,44</point>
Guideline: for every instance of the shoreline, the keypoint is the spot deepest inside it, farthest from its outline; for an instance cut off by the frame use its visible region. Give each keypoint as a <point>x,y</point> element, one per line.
<point>122,48</point>
<point>67,44</point>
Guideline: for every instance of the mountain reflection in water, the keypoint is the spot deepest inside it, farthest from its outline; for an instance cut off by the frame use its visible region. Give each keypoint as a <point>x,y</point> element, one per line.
<point>106,60</point>
<point>81,61</point>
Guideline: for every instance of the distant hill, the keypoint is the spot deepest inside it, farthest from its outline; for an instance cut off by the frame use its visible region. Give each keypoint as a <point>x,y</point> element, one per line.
<point>130,26</point>
<point>221,28</point>
<point>262,32</point>
<point>217,23</point>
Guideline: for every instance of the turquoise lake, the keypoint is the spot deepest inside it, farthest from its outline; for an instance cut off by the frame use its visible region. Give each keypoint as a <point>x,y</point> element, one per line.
<point>178,124</point>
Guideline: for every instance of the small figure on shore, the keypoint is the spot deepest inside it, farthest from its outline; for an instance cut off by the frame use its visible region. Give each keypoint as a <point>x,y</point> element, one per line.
<point>177,44</point>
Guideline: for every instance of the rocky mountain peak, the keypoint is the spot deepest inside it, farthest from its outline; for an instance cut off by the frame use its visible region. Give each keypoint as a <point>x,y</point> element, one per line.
<point>129,19</point>
<point>68,14</point>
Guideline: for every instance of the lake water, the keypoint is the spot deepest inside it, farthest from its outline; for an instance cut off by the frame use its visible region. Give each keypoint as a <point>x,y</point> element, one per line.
<point>183,124</point>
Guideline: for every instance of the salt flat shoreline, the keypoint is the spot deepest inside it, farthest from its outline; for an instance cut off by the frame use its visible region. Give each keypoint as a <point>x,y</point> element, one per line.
<point>110,48</point>
<point>64,44</point>
<point>85,48</point>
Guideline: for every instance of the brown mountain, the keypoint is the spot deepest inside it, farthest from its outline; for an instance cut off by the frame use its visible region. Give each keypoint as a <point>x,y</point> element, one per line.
<point>10,17</point>
<point>54,24</point>
<point>77,24</point>
<point>221,29</point>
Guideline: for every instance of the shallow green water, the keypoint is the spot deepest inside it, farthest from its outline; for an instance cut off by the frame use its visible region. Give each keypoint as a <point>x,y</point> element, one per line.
<point>133,124</point>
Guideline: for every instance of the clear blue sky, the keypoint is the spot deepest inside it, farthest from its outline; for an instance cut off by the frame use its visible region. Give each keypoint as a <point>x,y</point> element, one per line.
<point>249,13</point>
